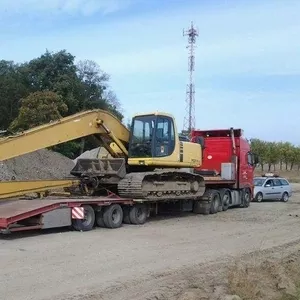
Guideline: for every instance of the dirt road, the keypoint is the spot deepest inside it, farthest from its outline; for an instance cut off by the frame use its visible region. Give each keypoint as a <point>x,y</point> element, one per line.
<point>146,262</point>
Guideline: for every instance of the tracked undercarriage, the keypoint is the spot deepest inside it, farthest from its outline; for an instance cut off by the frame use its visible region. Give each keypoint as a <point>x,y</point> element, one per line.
<point>150,186</point>
<point>160,185</point>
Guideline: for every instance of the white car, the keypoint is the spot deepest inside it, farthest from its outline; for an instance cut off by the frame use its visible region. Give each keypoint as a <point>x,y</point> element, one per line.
<point>272,187</point>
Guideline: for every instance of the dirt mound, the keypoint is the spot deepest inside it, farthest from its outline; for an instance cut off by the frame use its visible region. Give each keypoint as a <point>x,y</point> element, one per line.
<point>41,164</point>
<point>270,279</point>
<point>94,153</point>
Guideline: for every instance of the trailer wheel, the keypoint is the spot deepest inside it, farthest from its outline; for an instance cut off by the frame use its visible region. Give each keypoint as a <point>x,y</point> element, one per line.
<point>113,216</point>
<point>215,201</point>
<point>88,222</point>
<point>197,208</point>
<point>99,219</point>
<point>126,217</point>
<point>201,207</point>
<point>245,198</point>
<point>138,214</point>
<point>225,199</point>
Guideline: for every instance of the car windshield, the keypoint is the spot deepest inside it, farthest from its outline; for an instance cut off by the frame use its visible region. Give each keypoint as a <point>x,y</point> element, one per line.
<point>258,181</point>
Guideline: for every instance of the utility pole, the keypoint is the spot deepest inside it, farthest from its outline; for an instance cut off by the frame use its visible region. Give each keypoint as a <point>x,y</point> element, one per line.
<point>189,119</point>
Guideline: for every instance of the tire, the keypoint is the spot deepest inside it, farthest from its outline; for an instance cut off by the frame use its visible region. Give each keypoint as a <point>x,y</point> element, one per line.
<point>246,195</point>
<point>201,207</point>
<point>285,197</point>
<point>138,214</point>
<point>88,222</point>
<point>113,216</point>
<point>99,219</point>
<point>259,197</point>
<point>225,199</point>
<point>126,218</point>
<point>215,201</point>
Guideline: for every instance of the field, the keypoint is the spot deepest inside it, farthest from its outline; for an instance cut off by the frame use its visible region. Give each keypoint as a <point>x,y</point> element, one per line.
<point>251,252</point>
<point>291,175</point>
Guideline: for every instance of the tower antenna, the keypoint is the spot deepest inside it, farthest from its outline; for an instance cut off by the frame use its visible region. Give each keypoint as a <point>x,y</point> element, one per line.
<point>189,119</point>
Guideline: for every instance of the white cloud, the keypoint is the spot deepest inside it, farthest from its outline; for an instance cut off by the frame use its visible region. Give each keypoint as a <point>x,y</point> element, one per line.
<point>258,38</point>
<point>82,7</point>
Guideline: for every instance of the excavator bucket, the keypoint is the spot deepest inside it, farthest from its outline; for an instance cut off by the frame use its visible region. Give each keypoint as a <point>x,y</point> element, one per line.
<point>104,167</point>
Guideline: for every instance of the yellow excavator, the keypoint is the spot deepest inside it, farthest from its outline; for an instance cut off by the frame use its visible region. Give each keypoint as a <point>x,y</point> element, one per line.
<point>148,162</point>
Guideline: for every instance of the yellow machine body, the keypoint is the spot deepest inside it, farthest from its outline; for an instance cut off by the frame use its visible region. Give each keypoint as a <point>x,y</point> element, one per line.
<point>151,143</point>
<point>158,132</point>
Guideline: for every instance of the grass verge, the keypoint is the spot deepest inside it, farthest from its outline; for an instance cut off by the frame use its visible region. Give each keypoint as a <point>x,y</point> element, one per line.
<point>269,279</point>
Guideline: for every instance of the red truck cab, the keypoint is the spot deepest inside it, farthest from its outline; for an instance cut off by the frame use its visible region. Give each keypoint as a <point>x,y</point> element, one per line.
<point>226,151</point>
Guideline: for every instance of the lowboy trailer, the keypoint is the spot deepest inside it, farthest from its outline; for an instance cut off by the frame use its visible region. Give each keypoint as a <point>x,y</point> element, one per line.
<point>81,213</point>
<point>150,169</point>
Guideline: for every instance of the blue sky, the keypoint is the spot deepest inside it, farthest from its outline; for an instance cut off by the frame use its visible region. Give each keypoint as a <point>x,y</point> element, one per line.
<point>247,69</point>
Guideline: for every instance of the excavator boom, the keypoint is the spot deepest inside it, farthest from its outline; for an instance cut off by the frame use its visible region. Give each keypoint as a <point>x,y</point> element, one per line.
<point>92,122</point>
<point>98,123</point>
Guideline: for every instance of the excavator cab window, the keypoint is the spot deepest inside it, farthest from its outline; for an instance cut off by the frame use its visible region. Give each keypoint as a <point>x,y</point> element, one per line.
<point>164,139</point>
<point>152,136</point>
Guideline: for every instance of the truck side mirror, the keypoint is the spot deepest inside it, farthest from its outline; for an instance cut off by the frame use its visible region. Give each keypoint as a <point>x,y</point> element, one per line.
<point>255,159</point>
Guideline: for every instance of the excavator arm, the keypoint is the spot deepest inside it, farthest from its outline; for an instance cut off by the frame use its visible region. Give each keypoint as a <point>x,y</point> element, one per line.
<point>93,122</point>
<point>98,123</point>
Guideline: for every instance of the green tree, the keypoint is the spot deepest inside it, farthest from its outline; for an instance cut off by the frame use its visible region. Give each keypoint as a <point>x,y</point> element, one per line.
<point>37,109</point>
<point>94,94</point>
<point>272,155</point>
<point>12,89</point>
<point>80,87</point>
<point>54,72</point>
<point>260,148</point>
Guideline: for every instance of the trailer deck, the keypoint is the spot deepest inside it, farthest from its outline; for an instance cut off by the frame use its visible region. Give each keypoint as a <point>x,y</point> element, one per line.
<point>19,215</point>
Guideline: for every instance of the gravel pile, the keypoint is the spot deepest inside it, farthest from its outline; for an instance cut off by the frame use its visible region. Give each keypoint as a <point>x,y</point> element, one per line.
<point>101,151</point>
<point>41,164</point>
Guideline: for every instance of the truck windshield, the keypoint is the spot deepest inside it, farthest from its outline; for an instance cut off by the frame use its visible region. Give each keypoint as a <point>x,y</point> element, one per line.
<point>141,139</point>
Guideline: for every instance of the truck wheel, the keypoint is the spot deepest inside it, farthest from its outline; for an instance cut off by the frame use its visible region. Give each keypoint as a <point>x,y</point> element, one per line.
<point>215,201</point>
<point>201,207</point>
<point>245,198</point>
<point>113,216</point>
<point>88,222</point>
<point>126,217</point>
<point>259,197</point>
<point>225,199</point>
<point>138,214</point>
<point>99,218</point>
<point>197,208</point>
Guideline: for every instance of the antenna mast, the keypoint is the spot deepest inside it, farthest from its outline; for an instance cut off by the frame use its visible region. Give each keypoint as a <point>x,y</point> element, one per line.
<point>189,119</point>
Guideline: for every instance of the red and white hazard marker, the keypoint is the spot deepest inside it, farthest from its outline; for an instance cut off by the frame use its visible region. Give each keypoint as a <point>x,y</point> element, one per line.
<point>78,213</point>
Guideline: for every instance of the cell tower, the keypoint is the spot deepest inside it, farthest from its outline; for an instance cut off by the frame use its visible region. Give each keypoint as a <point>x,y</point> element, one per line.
<point>189,119</point>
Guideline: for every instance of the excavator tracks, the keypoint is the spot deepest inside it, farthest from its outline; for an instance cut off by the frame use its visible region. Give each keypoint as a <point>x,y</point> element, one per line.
<point>161,185</point>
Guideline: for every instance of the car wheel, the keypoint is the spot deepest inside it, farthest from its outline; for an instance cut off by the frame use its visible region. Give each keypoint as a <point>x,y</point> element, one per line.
<point>285,197</point>
<point>259,197</point>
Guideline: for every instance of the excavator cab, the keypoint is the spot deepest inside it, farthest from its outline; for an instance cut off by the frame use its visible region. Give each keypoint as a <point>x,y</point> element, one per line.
<point>152,136</point>
<point>154,142</point>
